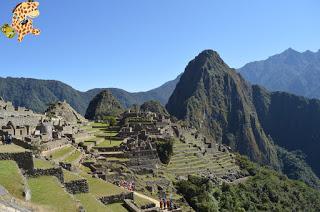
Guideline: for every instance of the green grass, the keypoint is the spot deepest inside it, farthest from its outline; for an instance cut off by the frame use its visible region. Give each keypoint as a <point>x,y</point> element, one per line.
<point>101,188</point>
<point>111,133</point>
<point>70,176</point>
<point>90,203</point>
<point>12,148</point>
<point>85,169</point>
<point>74,156</point>
<point>98,124</point>
<point>107,143</point>
<point>42,164</point>
<point>118,159</point>
<point>116,207</point>
<point>11,179</point>
<point>61,152</point>
<point>47,191</point>
<point>139,201</point>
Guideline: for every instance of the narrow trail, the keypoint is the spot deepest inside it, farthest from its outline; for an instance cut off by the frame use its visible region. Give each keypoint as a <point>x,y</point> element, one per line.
<point>148,198</point>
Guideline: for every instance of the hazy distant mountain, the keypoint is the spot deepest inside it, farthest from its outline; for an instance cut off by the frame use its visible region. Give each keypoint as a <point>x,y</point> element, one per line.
<point>290,71</point>
<point>38,94</point>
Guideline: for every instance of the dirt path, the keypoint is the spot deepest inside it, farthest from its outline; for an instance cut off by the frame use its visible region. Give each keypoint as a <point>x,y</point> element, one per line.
<point>148,198</point>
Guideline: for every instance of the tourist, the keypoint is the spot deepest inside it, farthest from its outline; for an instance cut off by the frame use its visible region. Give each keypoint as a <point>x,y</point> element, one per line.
<point>168,204</point>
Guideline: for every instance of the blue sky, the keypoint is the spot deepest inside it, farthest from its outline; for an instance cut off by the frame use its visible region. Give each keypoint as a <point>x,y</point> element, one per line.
<point>140,44</point>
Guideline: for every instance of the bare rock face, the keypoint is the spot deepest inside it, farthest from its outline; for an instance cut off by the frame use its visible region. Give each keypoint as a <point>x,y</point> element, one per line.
<point>217,101</point>
<point>103,104</point>
<point>155,107</point>
<point>64,111</point>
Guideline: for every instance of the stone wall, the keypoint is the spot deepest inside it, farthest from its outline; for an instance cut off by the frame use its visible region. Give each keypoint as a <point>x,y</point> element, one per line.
<point>130,206</point>
<point>108,149</point>
<point>56,172</point>
<point>23,159</point>
<point>54,144</point>
<point>116,198</point>
<point>22,143</point>
<point>77,186</point>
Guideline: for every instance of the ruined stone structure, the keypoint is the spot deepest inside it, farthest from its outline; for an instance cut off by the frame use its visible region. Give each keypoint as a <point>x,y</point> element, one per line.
<point>77,186</point>
<point>116,198</point>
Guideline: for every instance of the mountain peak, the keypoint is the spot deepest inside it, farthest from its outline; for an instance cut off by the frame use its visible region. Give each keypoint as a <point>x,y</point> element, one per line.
<point>103,104</point>
<point>211,56</point>
<point>290,51</point>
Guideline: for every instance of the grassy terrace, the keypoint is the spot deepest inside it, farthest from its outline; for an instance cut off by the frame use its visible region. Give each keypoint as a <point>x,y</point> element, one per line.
<point>12,148</point>
<point>42,164</point>
<point>11,179</point>
<point>116,207</point>
<point>117,159</point>
<point>101,188</point>
<point>90,203</point>
<point>70,176</point>
<point>139,201</point>
<point>107,143</point>
<point>48,191</point>
<point>111,133</point>
<point>61,152</point>
<point>73,157</point>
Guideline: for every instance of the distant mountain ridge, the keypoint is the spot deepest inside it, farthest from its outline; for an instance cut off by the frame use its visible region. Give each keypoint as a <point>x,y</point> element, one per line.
<point>37,94</point>
<point>289,71</point>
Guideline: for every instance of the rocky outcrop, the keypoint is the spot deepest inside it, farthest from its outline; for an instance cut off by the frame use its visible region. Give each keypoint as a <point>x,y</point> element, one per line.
<point>155,107</point>
<point>65,112</point>
<point>215,99</point>
<point>103,104</point>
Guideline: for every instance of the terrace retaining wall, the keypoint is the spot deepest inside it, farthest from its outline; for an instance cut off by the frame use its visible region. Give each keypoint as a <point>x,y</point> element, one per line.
<point>77,186</point>
<point>56,172</point>
<point>116,198</point>
<point>23,159</point>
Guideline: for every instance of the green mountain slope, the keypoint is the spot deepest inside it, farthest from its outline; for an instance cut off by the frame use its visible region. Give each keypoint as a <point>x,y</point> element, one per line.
<point>38,94</point>
<point>215,99</point>
<point>264,190</point>
<point>292,122</point>
<point>103,104</point>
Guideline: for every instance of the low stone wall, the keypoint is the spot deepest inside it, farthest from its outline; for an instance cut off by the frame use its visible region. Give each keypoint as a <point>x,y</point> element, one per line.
<point>148,206</point>
<point>21,143</point>
<point>130,206</point>
<point>113,138</point>
<point>77,186</point>
<point>116,198</point>
<point>54,144</point>
<point>108,149</point>
<point>23,159</point>
<point>114,155</point>
<point>66,166</point>
<point>56,172</point>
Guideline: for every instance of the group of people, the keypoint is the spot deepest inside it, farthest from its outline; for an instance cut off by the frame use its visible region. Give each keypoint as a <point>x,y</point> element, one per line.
<point>6,139</point>
<point>128,185</point>
<point>166,204</point>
